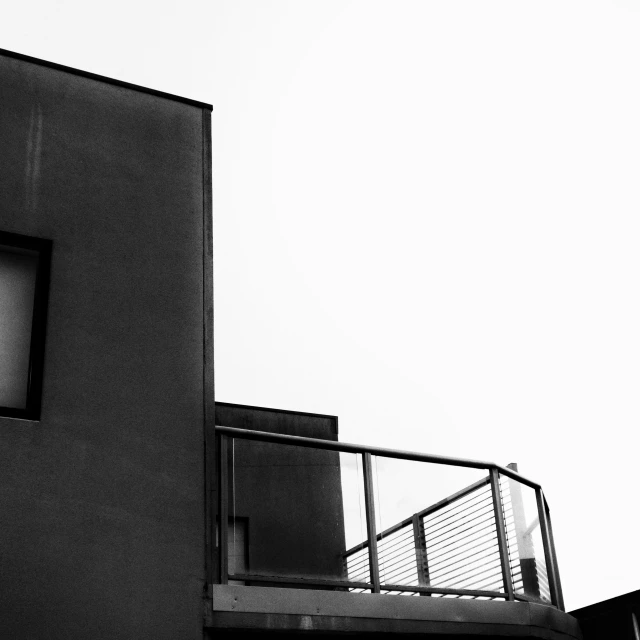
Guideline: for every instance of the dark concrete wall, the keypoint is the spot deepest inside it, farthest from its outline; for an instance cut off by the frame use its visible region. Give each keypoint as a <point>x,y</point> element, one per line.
<point>102,500</point>
<point>291,497</point>
<point>613,618</point>
<point>291,423</point>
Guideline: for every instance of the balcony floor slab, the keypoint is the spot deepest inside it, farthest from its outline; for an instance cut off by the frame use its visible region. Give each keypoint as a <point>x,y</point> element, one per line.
<point>318,612</point>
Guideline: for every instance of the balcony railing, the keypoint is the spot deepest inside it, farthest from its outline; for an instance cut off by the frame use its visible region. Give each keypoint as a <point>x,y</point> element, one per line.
<point>293,503</point>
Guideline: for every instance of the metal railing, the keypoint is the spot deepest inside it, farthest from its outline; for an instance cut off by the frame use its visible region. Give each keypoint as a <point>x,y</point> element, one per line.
<point>451,545</point>
<point>476,543</point>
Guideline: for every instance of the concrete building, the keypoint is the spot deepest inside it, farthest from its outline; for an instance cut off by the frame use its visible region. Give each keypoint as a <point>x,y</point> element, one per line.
<point>617,617</point>
<point>117,469</point>
<point>101,439</point>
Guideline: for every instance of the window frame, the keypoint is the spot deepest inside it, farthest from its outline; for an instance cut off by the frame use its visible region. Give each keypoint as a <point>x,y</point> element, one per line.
<point>43,249</point>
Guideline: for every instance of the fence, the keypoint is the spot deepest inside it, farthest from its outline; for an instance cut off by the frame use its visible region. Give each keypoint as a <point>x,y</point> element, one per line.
<point>284,494</point>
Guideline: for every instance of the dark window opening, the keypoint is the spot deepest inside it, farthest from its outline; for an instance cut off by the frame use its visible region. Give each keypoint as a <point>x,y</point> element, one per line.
<point>24,290</point>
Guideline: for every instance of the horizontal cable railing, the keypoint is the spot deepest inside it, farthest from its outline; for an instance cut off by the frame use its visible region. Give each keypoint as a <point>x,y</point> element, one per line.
<point>485,541</point>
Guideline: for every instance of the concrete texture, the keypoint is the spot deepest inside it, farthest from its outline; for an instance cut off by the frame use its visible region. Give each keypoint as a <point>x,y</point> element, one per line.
<point>298,612</point>
<point>102,500</point>
<point>617,617</point>
<point>290,497</point>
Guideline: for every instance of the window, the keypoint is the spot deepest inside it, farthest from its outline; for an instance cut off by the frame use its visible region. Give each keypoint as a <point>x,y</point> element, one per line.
<point>24,290</point>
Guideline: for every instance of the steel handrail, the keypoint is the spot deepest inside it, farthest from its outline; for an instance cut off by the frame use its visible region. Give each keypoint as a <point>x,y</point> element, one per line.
<point>346,447</point>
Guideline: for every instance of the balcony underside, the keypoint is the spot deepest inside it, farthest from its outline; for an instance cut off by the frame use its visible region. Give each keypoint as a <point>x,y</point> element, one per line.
<point>275,610</point>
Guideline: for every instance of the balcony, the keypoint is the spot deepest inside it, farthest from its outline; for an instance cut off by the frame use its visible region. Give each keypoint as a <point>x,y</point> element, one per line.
<point>327,537</point>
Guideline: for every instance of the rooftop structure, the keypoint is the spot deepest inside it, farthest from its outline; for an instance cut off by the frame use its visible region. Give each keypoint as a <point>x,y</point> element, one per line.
<point>133,505</point>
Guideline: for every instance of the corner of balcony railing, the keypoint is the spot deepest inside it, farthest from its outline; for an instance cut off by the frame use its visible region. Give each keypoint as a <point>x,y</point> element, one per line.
<point>282,513</point>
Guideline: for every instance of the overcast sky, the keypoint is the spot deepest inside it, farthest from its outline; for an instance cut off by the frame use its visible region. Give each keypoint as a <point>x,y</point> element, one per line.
<point>427,220</point>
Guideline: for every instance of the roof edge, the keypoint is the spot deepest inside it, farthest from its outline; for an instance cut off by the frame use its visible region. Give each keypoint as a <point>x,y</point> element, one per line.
<point>272,409</point>
<point>99,78</point>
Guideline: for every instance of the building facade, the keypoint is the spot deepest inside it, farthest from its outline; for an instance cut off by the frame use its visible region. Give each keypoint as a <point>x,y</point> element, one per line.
<point>132,505</point>
<point>101,476</point>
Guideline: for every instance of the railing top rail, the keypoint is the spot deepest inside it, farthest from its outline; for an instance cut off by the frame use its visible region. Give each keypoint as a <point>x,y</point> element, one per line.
<point>345,447</point>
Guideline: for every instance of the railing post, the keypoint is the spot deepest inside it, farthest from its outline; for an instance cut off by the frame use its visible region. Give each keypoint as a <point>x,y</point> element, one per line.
<point>501,533</point>
<point>420,545</point>
<point>549,552</point>
<point>374,572</point>
<point>524,541</point>
<point>223,511</point>
<point>560,604</point>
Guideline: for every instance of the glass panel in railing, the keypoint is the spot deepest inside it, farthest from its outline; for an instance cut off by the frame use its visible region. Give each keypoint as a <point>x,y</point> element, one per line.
<point>356,554</point>
<point>524,540</point>
<point>237,542</point>
<point>436,527</point>
<point>290,509</point>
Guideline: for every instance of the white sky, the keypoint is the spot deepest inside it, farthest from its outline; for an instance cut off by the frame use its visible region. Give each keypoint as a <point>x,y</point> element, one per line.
<point>426,222</point>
